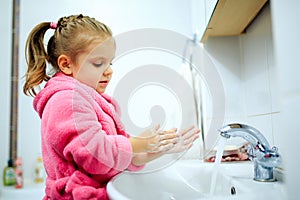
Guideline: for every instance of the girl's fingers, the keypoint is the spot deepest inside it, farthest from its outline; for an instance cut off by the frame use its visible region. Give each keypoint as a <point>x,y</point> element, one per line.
<point>167,136</point>
<point>162,148</point>
<point>170,140</point>
<point>190,134</point>
<point>190,140</point>
<point>186,131</point>
<point>157,127</point>
<point>162,142</point>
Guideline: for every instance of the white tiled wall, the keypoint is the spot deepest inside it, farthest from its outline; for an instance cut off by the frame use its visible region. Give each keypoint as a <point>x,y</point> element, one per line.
<point>225,54</point>
<point>260,75</point>
<point>286,32</point>
<point>250,77</point>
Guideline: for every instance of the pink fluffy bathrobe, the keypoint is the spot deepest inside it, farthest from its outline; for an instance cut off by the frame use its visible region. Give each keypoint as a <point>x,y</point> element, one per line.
<point>83,141</point>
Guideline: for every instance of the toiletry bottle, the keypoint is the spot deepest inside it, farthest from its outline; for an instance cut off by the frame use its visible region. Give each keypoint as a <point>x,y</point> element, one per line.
<point>39,171</point>
<point>19,173</point>
<point>9,174</point>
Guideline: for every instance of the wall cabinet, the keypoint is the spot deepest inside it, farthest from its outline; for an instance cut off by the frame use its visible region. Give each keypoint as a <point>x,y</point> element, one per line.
<point>229,17</point>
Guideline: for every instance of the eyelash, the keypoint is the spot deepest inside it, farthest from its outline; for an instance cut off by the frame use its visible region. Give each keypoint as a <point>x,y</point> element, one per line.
<point>99,65</point>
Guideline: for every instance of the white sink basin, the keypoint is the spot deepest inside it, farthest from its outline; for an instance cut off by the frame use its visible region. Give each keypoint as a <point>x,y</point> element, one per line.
<point>191,179</point>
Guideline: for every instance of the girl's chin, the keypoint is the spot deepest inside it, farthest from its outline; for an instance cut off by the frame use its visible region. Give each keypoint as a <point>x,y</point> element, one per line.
<point>100,90</point>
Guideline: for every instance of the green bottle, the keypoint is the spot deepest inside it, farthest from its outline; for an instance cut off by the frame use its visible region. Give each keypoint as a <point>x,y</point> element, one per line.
<point>9,174</point>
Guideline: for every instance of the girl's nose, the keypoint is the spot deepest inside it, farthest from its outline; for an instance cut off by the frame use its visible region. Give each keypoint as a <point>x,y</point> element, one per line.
<point>108,71</point>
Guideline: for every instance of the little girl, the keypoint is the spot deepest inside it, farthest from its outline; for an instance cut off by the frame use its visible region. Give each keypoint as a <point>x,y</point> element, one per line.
<point>84,143</point>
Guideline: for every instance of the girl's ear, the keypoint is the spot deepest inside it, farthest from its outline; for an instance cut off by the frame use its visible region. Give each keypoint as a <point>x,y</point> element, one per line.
<point>64,64</point>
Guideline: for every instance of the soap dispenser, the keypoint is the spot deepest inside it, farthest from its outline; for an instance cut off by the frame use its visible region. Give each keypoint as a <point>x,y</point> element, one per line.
<point>9,174</point>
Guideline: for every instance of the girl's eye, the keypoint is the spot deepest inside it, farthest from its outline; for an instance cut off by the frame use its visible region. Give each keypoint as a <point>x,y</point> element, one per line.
<point>97,65</point>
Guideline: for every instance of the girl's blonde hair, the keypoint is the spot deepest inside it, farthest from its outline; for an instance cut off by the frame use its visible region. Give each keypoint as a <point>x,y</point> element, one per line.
<point>72,35</point>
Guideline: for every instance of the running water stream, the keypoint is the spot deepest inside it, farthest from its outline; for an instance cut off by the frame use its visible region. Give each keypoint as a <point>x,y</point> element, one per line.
<point>219,154</point>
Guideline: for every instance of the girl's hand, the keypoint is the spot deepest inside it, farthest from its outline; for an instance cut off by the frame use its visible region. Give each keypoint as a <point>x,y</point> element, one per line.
<point>186,139</point>
<point>152,144</point>
<point>154,141</point>
<point>163,141</point>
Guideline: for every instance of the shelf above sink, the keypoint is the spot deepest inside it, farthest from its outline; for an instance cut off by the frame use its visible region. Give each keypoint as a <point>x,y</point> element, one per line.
<point>232,17</point>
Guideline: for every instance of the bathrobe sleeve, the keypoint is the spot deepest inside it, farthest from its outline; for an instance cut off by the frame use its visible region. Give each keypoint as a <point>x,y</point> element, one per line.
<point>78,136</point>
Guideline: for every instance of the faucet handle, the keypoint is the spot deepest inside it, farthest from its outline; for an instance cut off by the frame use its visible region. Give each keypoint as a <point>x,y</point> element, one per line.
<point>267,158</point>
<point>271,158</point>
<point>275,149</point>
<point>272,153</point>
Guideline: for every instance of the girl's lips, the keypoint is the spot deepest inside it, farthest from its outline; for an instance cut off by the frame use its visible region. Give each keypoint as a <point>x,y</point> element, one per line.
<point>103,83</point>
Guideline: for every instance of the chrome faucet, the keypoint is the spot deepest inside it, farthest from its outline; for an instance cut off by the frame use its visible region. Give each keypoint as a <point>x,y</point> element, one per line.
<point>264,157</point>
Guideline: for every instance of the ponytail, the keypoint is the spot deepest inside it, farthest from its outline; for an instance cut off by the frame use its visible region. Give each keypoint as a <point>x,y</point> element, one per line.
<point>36,58</point>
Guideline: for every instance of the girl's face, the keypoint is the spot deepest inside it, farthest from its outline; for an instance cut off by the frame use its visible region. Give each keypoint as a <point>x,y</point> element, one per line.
<point>93,67</point>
